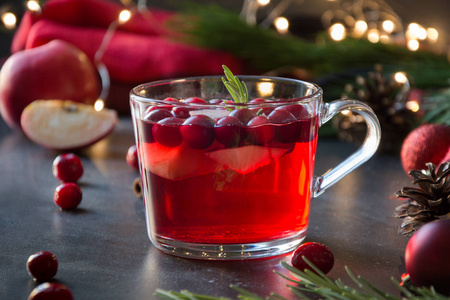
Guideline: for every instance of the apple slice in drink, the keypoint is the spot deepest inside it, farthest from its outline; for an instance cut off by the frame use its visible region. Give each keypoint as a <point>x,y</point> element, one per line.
<point>176,163</point>
<point>246,159</point>
<point>66,125</point>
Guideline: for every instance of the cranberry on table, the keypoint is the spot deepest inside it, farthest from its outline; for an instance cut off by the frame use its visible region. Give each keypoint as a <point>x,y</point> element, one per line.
<point>198,131</point>
<point>42,266</point>
<point>167,131</point>
<point>67,167</point>
<point>228,131</point>
<point>132,157</point>
<point>51,291</point>
<point>67,195</point>
<point>259,131</point>
<point>318,254</point>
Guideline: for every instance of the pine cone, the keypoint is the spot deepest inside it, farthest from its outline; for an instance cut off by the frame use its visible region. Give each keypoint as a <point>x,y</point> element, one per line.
<point>429,202</point>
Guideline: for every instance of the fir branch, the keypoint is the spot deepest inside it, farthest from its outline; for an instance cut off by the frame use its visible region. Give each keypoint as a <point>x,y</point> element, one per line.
<point>319,284</point>
<point>213,27</point>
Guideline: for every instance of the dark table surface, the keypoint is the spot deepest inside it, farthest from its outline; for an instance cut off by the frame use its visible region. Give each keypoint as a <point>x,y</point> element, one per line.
<point>103,248</point>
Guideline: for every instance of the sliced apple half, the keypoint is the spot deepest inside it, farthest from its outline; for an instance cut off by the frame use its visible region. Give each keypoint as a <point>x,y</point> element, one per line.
<point>66,125</point>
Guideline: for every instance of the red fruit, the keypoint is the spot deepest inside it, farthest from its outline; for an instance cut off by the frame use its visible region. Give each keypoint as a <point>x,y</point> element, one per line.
<point>194,100</point>
<point>318,254</point>
<point>158,113</point>
<point>55,70</point>
<point>243,114</point>
<point>288,130</point>
<point>181,112</point>
<point>132,157</point>
<point>42,266</point>
<point>167,132</point>
<point>259,130</point>
<point>427,143</point>
<point>51,291</point>
<point>228,131</point>
<point>427,256</point>
<point>297,110</point>
<point>198,132</point>
<point>67,195</point>
<point>67,167</point>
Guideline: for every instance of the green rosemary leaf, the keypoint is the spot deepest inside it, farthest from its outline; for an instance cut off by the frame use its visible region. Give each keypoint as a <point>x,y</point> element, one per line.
<point>244,294</point>
<point>237,89</point>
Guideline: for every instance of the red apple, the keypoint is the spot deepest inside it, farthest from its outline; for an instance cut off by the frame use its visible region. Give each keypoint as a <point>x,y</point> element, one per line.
<point>56,70</point>
<point>66,125</point>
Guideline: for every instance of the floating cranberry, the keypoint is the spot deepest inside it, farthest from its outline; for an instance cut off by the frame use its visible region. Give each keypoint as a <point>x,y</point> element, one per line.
<point>51,291</point>
<point>228,131</point>
<point>243,114</point>
<point>427,256</point>
<point>194,100</point>
<point>132,157</point>
<point>257,101</point>
<point>156,107</point>
<point>297,110</point>
<point>259,131</point>
<point>287,129</point>
<point>158,114</point>
<point>42,266</point>
<point>170,99</point>
<point>67,195</point>
<point>318,254</point>
<point>198,131</point>
<point>181,112</point>
<point>67,167</point>
<point>167,132</point>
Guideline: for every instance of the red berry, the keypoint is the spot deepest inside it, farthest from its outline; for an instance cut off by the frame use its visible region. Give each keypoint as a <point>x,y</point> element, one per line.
<point>42,266</point>
<point>198,131</point>
<point>243,114</point>
<point>67,167</point>
<point>194,100</point>
<point>297,110</point>
<point>427,256</point>
<point>157,113</point>
<point>67,195</point>
<point>132,157</point>
<point>259,130</point>
<point>51,291</point>
<point>167,132</point>
<point>228,131</point>
<point>318,254</point>
<point>287,131</point>
<point>182,112</point>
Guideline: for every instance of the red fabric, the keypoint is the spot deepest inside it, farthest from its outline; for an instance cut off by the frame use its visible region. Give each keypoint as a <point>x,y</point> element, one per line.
<point>140,50</point>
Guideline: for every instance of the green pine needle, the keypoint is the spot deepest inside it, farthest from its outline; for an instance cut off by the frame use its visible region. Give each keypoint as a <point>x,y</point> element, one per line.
<point>320,284</point>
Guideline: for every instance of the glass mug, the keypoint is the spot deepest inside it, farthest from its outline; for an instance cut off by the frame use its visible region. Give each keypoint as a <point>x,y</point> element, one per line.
<point>224,180</point>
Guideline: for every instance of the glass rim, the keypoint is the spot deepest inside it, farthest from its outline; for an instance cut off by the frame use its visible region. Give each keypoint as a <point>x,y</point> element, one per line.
<point>317,90</point>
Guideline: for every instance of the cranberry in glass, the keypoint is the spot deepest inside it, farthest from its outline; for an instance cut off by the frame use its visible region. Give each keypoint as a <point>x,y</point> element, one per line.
<point>297,110</point>
<point>198,131</point>
<point>132,157</point>
<point>194,100</point>
<point>158,114</point>
<point>228,131</point>
<point>286,130</point>
<point>51,291</point>
<point>167,132</point>
<point>243,114</point>
<point>67,167</point>
<point>181,112</point>
<point>318,254</point>
<point>67,195</point>
<point>42,266</point>
<point>259,131</point>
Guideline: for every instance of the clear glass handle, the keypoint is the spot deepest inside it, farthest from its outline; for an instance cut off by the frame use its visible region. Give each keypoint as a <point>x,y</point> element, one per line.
<point>360,156</point>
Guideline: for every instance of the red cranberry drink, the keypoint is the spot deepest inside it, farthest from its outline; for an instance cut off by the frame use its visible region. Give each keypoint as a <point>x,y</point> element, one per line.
<point>228,177</point>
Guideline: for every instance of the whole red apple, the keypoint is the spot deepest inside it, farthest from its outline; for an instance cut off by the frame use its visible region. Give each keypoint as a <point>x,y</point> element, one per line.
<point>56,70</point>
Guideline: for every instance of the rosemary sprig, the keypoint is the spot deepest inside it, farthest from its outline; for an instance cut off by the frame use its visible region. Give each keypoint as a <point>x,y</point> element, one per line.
<point>237,89</point>
<point>319,284</point>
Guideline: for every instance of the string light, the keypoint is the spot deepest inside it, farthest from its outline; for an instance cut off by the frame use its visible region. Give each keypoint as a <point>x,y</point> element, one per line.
<point>432,34</point>
<point>400,77</point>
<point>337,32</point>
<point>9,20</point>
<point>373,35</point>
<point>360,28</point>
<point>124,16</point>
<point>263,2</point>
<point>281,24</point>
<point>388,26</point>
<point>33,5</point>
<point>413,45</point>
